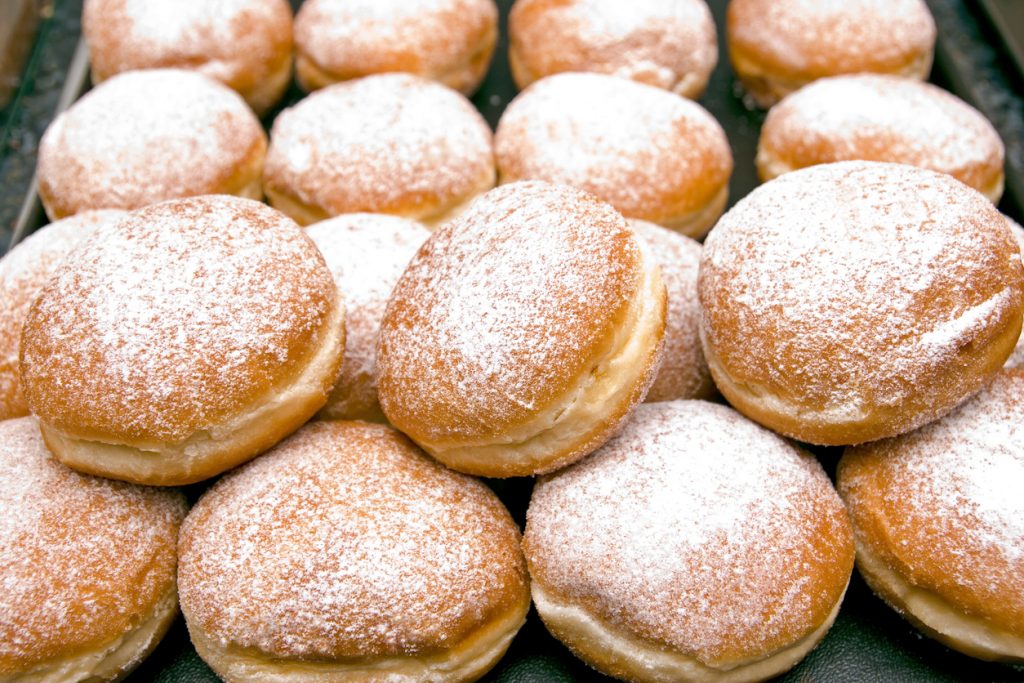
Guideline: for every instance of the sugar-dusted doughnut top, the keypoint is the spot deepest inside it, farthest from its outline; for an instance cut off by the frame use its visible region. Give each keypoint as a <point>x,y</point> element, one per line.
<point>650,154</point>
<point>670,44</point>
<point>143,137</point>
<point>83,560</point>
<point>688,529</point>
<point>942,506</point>
<point>861,293</point>
<point>808,39</point>
<point>503,310</point>
<point>24,271</point>
<point>366,253</point>
<point>173,320</point>
<point>347,541</point>
<point>883,118</point>
<point>392,143</point>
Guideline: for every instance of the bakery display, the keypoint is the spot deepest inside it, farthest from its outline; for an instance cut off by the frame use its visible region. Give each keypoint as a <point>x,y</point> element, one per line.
<point>684,373</point>
<point>522,334</point>
<point>146,136</point>
<point>24,271</point>
<point>778,46</point>
<point>366,254</point>
<point>660,556</point>
<point>194,335</point>
<point>87,566</point>
<point>244,44</point>
<point>670,44</point>
<point>882,118</point>
<point>393,143</point>
<point>650,154</point>
<point>938,515</point>
<point>450,41</point>
<point>858,300</point>
<point>346,554</point>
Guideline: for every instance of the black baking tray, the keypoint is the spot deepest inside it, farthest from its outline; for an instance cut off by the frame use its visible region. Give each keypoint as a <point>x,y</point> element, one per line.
<point>869,642</point>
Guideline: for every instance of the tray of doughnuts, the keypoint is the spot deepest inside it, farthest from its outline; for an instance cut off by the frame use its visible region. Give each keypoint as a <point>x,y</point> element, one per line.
<point>452,340</point>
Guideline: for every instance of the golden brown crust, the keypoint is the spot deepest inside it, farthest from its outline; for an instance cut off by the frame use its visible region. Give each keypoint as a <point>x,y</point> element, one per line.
<point>245,44</point>
<point>391,143</point>
<point>852,301</point>
<point>24,271</point>
<point>882,118</point>
<point>450,41</point>
<point>777,46</point>
<point>656,567</point>
<point>147,136</point>
<point>84,561</point>
<point>414,559</point>
<point>669,45</point>
<point>174,324</point>
<point>648,153</point>
<point>940,507</point>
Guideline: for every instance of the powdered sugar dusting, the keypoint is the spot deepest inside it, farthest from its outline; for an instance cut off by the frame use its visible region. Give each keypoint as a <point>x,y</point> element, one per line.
<point>684,372</point>
<point>82,559</point>
<point>1016,358</point>
<point>347,541</point>
<point>697,529</point>
<point>392,143</point>
<point>657,42</point>
<point>502,307</point>
<point>174,318</point>
<point>859,284</point>
<point>366,254</point>
<point>884,118</point>
<point>23,273</point>
<point>645,151</point>
<point>143,137</point>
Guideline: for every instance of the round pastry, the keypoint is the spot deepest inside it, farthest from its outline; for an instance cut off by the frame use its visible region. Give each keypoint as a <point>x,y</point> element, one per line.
<point>939,522</point>
<point>146,136</point>
<point>1016,358</point>
<point>522,334</point>
<point>882,118</point>
<point>695,546</point>
<point>346,554</point>
<point>450,41</point>
<point>684,373</point>
<point>669,44</point>
<point>858,300</point>
<point>244,44</point>
<point>185,339</point>
<point>23,273</point>
<point>650,154</point>
<point>778,46</point>
<point>392,143</point>
<point>87,566</point>
<point>366,254</point>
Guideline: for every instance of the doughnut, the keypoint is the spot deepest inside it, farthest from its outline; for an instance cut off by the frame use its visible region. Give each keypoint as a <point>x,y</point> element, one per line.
<point>684,373</point>
<point>1016,358</point>
<point>858,300</point>
<point>522,334</point>
<point>23,273</point>
<point>650,154</point>
<point>669,44</point>
<point>778,46</point>
<point>882,118</point>
<point>183,340</point>
<point>695,546</point>
<point>143,137</point>
<point>450,41</point>
<point>939,522</point>
<point>346,554</point>
<point>244,44</point>
<point>87,566</point>
<point>366,254</point>
<point>393,143</point>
